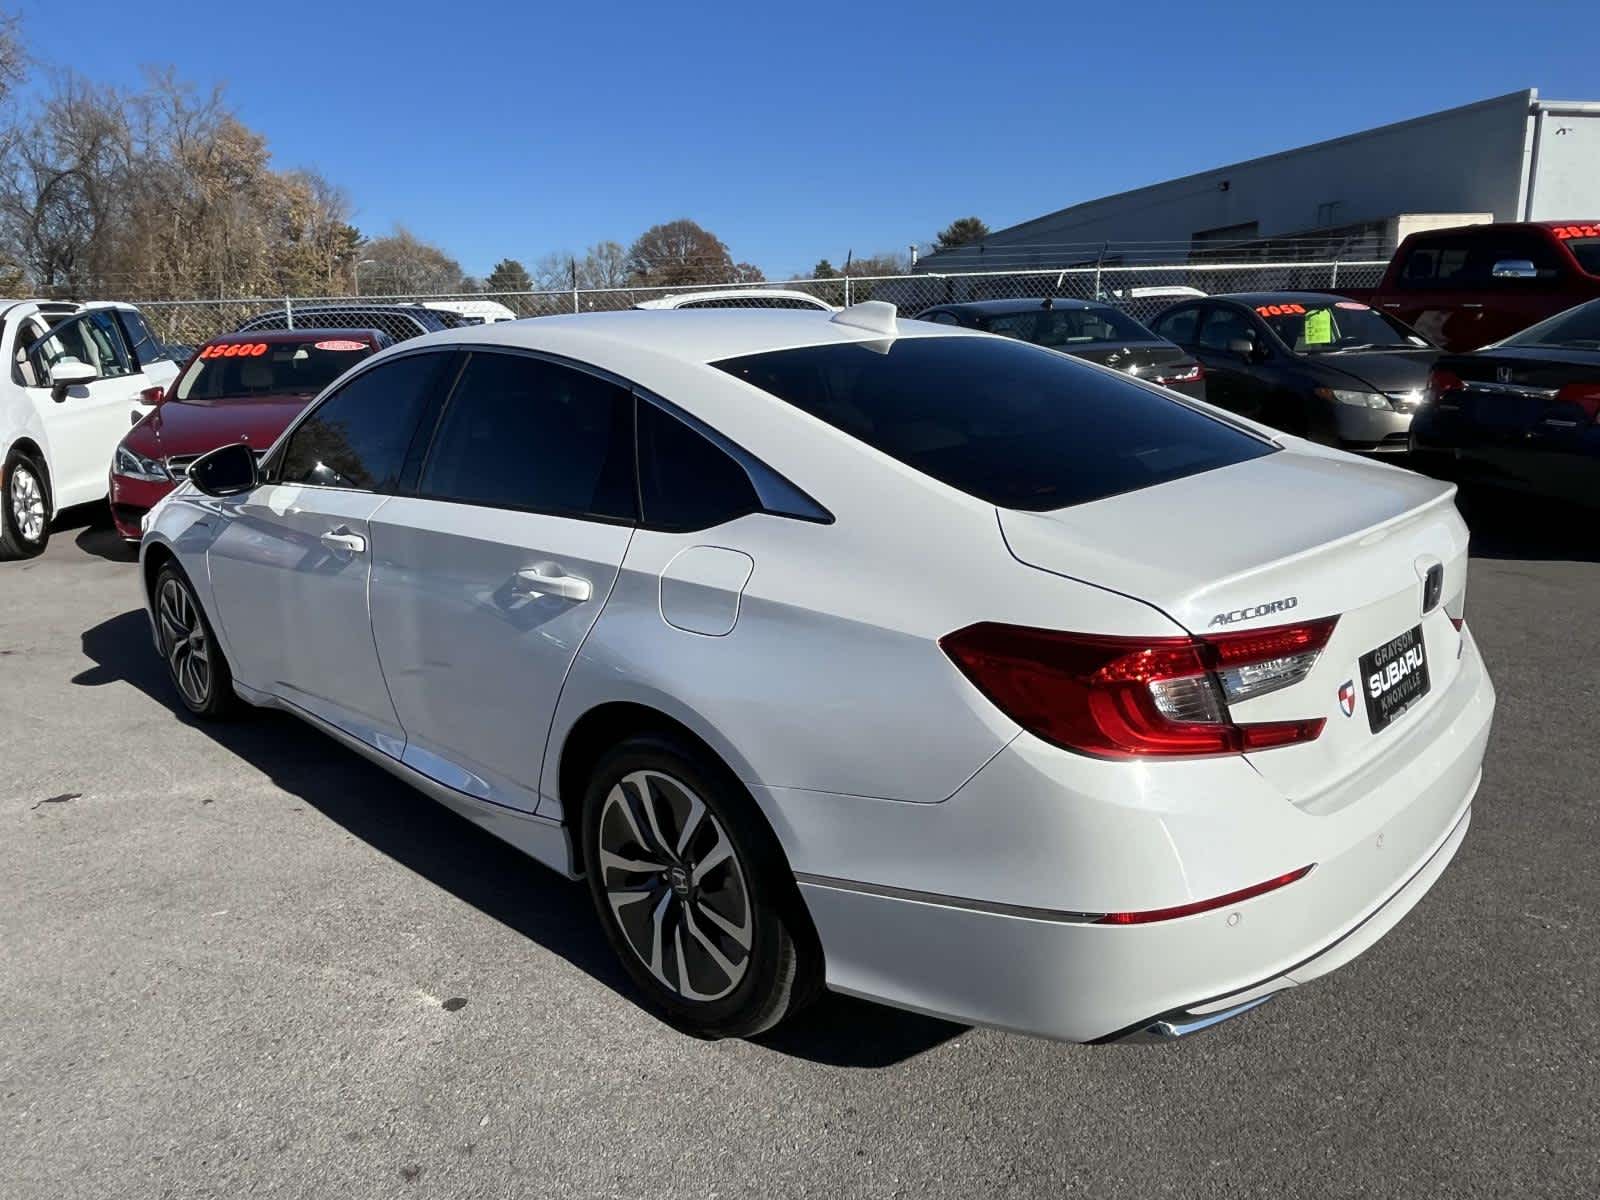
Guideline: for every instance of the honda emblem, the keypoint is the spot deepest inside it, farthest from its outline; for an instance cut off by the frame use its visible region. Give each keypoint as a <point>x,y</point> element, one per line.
<point>1503,374</point>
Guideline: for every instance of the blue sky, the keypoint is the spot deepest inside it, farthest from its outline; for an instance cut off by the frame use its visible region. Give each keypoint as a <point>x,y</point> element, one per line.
<point>798,131</point>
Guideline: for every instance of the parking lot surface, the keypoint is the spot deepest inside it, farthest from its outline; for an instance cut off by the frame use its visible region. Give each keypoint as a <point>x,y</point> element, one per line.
<point>240,960</point>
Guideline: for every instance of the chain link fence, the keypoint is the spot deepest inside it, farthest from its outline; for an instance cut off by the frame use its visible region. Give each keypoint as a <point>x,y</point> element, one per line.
<point>1141,291</point>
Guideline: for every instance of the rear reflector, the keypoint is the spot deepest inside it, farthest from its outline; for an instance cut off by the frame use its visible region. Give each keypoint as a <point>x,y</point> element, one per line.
<point>1120,697</point>
<point>1199,906</point>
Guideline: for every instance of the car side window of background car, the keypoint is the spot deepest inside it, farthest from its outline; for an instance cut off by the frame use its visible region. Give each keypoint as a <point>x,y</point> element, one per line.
<point>92,338</point>
<point>146,349</point>
<point>944,318</point>
<point>522,433</point>
<point>1442,263</point>
<point>1223,325</point>
<point>686,482</point>
<point>1178,326</point>
<point>357,438</point>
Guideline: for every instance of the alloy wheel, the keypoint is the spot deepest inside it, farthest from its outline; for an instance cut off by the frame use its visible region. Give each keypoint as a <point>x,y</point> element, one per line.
<point>183,634</point>
<point>27,503</point>
<point>672,877</point>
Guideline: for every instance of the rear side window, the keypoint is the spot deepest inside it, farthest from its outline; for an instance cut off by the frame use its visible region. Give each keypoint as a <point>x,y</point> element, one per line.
<point>686,482</point>
<point>358,437</point>
<point>145,347</point>
<point>522,433</point>
<point>1442,263</point>
<point>1001,420</point>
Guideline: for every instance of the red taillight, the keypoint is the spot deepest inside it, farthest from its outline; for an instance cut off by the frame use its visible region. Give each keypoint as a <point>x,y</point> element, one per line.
<point>1440,382</point>
<point>1585,395</point>
<point>1119,697</point>
<point>1200,906</point>
<point>1193,373</point>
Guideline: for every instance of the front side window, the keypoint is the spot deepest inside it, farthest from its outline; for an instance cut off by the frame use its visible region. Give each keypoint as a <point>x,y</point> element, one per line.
<point>522,433</point>
<point>998,419</point>
<point>1178,326</point>
<point>686,482</point>
<point>358,437</point>
<point>1063,328</point>
<point>1223,326</point>
<point>93,338</point>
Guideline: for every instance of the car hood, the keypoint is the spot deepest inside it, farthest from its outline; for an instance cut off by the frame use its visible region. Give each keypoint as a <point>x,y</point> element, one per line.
<point>183,427</point>
<point>1383,370</point>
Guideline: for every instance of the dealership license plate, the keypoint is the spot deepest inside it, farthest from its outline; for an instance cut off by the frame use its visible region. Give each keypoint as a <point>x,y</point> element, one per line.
<point>1394,677</point>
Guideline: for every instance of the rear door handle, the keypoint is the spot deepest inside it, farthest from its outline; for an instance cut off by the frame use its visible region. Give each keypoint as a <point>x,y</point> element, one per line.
<point>342,539</point>
<point>547,579</point>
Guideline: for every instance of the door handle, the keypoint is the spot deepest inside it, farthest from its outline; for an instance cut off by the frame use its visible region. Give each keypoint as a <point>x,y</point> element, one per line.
<point>547,579</point>
<point>342,539</point>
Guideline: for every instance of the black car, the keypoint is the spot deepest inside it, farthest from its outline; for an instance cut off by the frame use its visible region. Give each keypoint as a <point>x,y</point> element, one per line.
<point>1082,329</point>
<point>1324,367</point>
<point>1521,413</point>
<point>399,321</point>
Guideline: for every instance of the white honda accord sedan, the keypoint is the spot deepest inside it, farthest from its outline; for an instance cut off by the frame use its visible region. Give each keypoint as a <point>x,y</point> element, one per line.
<point>834,651</point>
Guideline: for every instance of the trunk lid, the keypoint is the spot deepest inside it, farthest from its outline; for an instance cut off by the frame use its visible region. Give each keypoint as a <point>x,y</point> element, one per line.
<point>1296,535</point>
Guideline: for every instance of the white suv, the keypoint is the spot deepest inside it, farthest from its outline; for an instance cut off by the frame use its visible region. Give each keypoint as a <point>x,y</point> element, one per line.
<point>77,376</point>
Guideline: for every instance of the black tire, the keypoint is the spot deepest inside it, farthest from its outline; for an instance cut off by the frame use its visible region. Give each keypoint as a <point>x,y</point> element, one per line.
<point>24,507</point>
<point>195,662</point>
<point>778,973</point>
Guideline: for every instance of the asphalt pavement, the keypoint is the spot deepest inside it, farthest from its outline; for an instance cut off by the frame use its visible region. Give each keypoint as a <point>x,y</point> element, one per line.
<point>239,960</point>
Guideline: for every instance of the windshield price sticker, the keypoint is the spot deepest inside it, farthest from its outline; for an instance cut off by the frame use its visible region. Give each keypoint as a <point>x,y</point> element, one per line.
<point>235,350</point>
<point>1280,310</point>
<point>340,344</point>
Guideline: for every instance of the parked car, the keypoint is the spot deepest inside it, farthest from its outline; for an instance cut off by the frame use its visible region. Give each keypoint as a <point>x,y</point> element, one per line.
<point>1084,329</point>
<point>1464,288</point>
<point>1523,413</point>
<point>1109,713</point>
<point>740,298</point>
<point>473,312</point>
<point>240,387</point>
<point>399,321</point>
<point>1324,367</point>
<point>77,376</point>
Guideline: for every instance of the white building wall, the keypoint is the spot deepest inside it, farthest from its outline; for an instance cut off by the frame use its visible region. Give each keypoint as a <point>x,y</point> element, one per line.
<point>1566,182</point>
<point>1472,159</point>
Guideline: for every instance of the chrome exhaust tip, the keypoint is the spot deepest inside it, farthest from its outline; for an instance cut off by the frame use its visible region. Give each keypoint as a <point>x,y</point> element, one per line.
<point>1182,1023</point>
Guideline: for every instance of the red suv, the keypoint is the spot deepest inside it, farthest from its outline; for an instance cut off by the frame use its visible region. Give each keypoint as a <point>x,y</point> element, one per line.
<point>1476,284</point>
<point>241,387</point>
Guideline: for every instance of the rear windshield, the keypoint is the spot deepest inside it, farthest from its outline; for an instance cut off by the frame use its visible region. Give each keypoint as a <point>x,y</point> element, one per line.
<point>1576,329</point>
<point>1006,422</point>
<point>268,368</point>
<point>1061,328</point>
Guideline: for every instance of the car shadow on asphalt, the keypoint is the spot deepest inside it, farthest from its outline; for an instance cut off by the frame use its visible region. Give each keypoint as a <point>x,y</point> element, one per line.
<point>476,867</point>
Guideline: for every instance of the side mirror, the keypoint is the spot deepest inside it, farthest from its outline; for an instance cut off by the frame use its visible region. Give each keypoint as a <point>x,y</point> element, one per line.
<point>226,471</point>
<point>67,372</point>
<point>1515,268</point>
<point>152,396</point>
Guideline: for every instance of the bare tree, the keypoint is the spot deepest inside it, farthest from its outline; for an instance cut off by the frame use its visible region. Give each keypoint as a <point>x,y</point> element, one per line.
<point>402,263</point>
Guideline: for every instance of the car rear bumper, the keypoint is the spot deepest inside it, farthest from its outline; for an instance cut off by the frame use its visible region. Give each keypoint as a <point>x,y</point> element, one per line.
<point>973,953</point>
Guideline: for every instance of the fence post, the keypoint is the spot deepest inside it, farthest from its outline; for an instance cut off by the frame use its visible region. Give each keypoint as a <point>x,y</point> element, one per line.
<point>847,291</point>
<point>288,312</point>
<point>1333,283</point>
<point>572,267</point>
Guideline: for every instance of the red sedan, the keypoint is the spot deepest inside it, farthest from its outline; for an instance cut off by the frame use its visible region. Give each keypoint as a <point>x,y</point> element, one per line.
<point>240,387</point>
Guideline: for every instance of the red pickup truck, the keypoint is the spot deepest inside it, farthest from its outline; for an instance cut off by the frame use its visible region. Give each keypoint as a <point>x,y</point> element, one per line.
<point>1470,286</point>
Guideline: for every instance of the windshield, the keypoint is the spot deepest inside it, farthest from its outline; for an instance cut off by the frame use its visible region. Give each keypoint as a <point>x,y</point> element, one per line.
<point>1587,251</point>
<point>268,368</point>
<point>1336,325</point>
<point>1577,328</point>
<point>1062,327</point>
<point>999,420</point>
